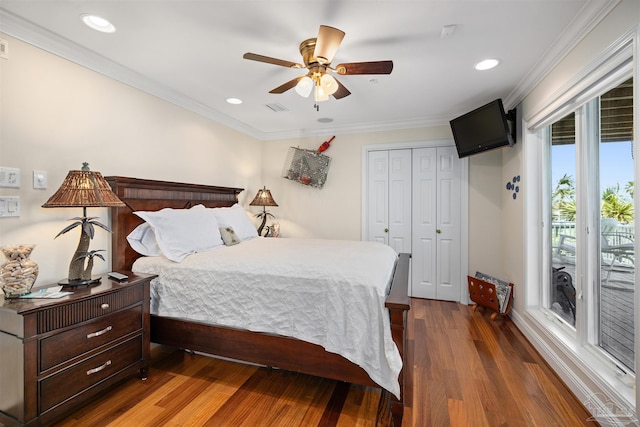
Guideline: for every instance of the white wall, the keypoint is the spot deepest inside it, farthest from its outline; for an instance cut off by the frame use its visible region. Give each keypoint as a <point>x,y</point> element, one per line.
<point>54,115</point>
<point>335,210</point>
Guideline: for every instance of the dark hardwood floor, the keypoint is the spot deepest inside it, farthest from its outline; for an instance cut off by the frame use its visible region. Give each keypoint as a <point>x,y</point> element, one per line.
<point>466,370</point>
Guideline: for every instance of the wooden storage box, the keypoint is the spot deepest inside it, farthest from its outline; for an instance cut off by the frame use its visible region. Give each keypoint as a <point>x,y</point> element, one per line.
<point>483,293</point>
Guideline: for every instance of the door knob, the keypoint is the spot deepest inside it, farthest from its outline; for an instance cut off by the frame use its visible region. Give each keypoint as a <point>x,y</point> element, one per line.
<point>438,231</point>
<point>386,230</point>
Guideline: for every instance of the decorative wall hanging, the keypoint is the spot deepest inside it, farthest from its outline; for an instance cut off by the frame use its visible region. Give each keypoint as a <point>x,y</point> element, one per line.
<point>513,186</point>
<point>307,167</point>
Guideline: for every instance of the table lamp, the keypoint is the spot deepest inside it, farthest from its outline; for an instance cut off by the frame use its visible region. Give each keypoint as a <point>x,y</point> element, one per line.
<point>83,188</point>
<point>264,199</point>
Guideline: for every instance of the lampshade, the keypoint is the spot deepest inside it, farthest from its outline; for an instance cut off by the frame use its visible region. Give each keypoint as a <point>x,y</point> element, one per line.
<point>328,84</point>
<point>263,198</point>
<point>84,188</point>
<point>304,86</point>
<point>320,95</point>
<point>322,85</point>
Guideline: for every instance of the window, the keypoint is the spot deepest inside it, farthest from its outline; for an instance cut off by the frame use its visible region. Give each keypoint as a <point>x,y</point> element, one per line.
<point>562,290</point>
<point>606,143</point>
<point>580,231</point>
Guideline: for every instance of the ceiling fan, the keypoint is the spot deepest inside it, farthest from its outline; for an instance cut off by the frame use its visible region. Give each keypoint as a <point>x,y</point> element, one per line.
<point>317,54</point>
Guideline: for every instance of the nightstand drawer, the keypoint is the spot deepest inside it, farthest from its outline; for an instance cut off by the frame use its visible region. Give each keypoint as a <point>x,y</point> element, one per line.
<point>69,382</point>
<point>61,347</point>
<point>63,315</point>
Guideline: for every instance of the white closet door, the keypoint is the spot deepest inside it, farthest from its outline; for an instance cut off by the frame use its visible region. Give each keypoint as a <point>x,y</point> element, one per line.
<point>448,225</point>
<point>400,200</point>
<point>436,224</point>
<point>423,255</point>
<point>378,200</point>
<point>389,199</point>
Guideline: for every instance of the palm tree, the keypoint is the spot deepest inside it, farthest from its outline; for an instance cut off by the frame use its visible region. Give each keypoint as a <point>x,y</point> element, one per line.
<point>89,256</point>
<point>616,205</point>
<point>563,199</point>
<point>77,270</point>
<point>629,189</point>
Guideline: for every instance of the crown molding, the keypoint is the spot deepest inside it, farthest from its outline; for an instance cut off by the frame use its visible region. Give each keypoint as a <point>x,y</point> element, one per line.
<point>582,24</point>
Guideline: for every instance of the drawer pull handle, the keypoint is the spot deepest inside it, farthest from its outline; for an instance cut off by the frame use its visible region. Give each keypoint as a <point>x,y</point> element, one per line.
<point>98,333</point>
<point>99,368</point>
<point>104,306</point>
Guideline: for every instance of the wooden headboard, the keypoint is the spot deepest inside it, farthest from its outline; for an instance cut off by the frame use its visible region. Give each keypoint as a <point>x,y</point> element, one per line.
<point>151,195</point>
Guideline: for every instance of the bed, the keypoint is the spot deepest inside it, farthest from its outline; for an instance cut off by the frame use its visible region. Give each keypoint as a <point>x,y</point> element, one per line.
<point>258,347</point>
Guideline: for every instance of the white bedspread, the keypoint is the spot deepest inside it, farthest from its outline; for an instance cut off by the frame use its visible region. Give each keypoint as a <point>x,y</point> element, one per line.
<point>327,292</point>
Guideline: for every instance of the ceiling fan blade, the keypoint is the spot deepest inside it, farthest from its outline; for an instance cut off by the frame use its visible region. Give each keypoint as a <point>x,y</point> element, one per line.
<point>375,67</point>
<point>285,87</point>
<point>269,60</point>
<point>341,92</point>
<point>327,43</point>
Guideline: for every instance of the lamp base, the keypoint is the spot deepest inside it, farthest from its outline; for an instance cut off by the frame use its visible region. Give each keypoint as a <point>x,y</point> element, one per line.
<point>73,283</point>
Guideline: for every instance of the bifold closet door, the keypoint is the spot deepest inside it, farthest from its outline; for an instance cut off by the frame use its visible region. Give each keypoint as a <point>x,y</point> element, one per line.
<point>389,198</point>
<point>436,220</point>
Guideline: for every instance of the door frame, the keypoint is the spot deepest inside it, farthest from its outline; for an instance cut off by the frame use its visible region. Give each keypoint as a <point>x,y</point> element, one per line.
<point>464,199</point>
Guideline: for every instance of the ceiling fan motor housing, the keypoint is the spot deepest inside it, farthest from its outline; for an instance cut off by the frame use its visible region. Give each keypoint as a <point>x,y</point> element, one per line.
<point>307,49</point>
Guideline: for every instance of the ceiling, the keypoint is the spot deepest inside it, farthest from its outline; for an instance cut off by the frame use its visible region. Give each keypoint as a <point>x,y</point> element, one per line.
<point>190,53</point>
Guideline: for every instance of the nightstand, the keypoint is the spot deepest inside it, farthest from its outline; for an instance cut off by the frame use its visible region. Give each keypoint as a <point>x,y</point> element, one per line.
<point>56,354</point>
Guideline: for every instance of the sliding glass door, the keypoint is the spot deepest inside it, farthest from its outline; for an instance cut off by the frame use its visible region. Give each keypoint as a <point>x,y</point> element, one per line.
<point>590,201</point>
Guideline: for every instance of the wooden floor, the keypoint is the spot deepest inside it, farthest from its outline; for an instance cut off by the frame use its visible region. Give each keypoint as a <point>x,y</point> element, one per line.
<point>466,371</point>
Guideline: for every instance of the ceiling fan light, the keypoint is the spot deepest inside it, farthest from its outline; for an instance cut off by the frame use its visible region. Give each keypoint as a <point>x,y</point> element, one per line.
<point>328,84</point>
<point>304,86</point>
<point>320,95</point>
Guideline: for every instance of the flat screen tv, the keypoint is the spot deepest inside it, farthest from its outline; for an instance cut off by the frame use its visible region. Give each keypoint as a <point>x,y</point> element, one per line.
<point>482,129</point>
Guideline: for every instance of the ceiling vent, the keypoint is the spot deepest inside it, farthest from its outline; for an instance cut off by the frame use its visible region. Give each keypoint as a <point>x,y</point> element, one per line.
<point>277,107</point>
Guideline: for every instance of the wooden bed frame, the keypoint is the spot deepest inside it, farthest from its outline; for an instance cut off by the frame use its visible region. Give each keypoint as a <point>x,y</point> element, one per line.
<point>260,348</point>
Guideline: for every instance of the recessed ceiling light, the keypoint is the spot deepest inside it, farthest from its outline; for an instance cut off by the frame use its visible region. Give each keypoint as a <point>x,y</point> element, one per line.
<point>487,64</point>
<point>98,23</point>
<point>234,101</point>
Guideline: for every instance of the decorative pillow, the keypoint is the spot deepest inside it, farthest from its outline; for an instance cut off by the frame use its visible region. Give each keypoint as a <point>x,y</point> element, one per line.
<point>237,218</point>
<point>143,240</point>
<point>180,232</point>
<point>229,236</point>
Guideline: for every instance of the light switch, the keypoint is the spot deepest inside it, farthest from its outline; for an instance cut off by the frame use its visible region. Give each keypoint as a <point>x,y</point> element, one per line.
<point>39,179</point>
<point>9,206</point>
<point>9,177</point>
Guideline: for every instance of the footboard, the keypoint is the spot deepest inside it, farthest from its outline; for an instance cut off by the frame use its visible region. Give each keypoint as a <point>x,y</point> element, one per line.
<point>399,303</point>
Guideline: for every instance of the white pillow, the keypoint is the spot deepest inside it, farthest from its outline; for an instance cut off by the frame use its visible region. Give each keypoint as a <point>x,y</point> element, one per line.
<point>180,232</point>
<point>237,218</point>
<point>143,240</point>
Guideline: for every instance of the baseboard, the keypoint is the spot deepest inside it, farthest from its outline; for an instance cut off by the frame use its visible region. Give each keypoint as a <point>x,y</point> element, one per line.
<point>599,393</point>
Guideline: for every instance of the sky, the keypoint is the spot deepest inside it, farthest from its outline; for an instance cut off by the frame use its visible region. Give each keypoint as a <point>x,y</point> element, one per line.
<point>616,164</point>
